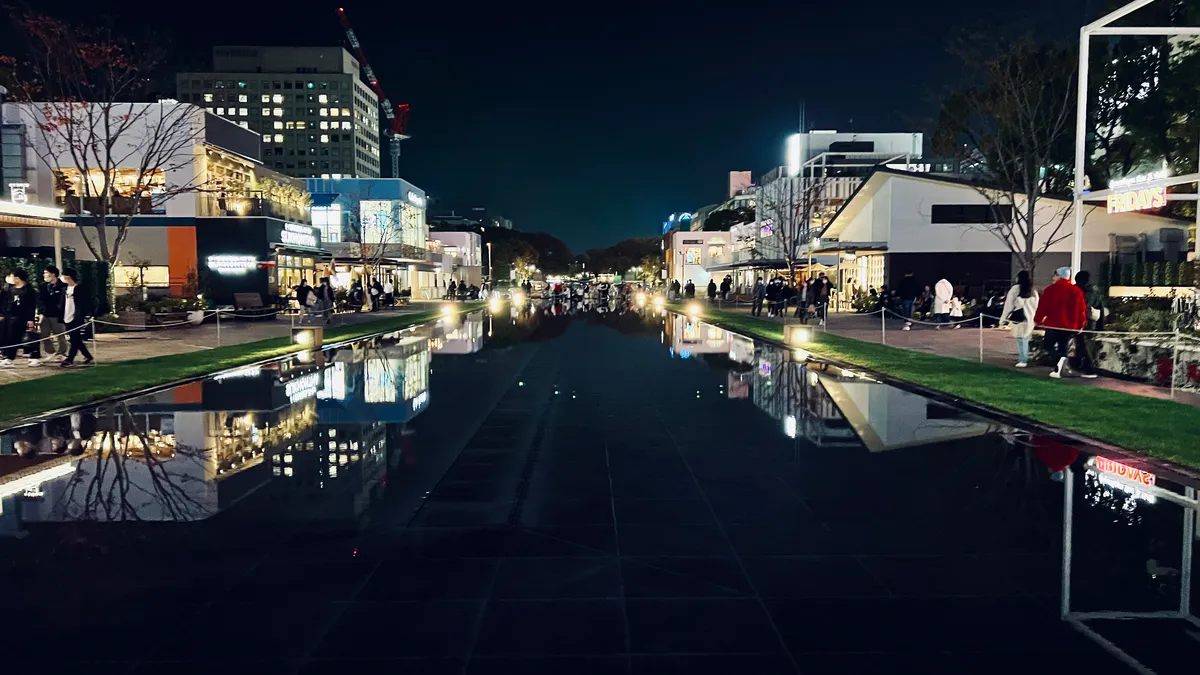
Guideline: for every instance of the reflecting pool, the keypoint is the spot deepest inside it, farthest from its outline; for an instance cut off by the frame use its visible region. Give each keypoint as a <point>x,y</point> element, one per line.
<point>553,489</point>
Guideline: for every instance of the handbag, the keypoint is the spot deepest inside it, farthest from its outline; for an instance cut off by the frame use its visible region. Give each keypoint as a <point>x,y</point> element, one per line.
<point>1017,315</point>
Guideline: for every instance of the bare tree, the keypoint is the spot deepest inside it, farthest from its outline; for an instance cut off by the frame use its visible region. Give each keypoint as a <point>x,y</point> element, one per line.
<point>1017,118</point>
<point>792,211</point>
<point>375,232</point>
<point>112,157</point>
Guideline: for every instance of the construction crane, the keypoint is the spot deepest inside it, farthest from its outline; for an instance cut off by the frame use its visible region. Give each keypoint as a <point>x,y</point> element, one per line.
<point>397,116</point>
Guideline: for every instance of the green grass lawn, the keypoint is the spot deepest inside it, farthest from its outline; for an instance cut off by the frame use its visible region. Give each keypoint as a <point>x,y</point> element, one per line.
<point>81,385</point>
<point>1155,427</point>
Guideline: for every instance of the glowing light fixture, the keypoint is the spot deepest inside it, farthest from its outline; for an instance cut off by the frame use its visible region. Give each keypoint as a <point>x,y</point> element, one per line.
<point>310,337</point>
<point>693,309</point>
<point>447,310</point>
<point>789,426</point>
<point>658,301</point>
<point>641,299</point>
<point>797,334</point>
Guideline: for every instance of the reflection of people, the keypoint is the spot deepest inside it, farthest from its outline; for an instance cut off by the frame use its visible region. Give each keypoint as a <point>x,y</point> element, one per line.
<point>77,306</point>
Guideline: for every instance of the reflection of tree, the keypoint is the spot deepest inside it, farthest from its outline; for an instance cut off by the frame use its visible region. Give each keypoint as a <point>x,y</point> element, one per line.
<point>124,475</point>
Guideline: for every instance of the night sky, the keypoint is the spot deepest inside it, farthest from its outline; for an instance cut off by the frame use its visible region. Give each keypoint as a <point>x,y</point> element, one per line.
<point>595,121</point>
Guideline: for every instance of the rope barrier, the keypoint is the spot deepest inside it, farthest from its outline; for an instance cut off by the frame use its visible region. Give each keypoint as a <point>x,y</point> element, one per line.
<point>48,337</point>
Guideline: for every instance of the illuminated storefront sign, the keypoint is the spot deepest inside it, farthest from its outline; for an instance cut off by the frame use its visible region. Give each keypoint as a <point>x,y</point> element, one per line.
<point>232,264</point>
<point>1137,200</point>
<point>18,193</point>
<point>421,399</point>
<point>1107,466</point>
<point>415,199</point>
<point>298,235</point>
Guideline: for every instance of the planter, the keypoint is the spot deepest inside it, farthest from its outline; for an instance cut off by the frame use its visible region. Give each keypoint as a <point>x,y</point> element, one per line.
<point>132,319</point>
<point>1150,360</point>
<point>167,318</point>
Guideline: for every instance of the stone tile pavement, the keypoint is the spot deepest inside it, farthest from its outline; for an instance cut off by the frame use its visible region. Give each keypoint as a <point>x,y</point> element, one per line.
<point>114,347</point>
<point>998,348</point>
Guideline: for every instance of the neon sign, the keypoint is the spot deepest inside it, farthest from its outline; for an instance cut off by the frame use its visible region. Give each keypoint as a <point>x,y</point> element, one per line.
<point>1108,466</point>
<point>303,387</point>
<point>1137,200</point>
<point>231,264</point>
<point>415,199</point>
<point>298,235</point>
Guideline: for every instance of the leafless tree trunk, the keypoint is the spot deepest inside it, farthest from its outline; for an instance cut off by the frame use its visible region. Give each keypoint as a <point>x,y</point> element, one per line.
<point>793,212</point>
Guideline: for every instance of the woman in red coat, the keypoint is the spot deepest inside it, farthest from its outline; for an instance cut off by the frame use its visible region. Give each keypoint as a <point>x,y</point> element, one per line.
<point>1063,312</point>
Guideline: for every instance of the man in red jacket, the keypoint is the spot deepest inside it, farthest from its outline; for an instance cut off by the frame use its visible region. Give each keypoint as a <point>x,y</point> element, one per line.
<point>1063,312</point>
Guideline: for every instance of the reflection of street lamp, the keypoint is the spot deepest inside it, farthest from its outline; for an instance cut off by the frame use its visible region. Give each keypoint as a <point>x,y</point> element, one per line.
<point>490,280</point>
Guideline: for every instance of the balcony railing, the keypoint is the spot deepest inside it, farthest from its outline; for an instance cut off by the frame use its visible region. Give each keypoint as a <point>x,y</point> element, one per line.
<point>117,205</point>
<point>210,205</point>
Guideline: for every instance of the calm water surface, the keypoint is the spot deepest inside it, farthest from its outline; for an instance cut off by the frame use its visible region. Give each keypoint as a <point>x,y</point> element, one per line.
<point>547,491</point>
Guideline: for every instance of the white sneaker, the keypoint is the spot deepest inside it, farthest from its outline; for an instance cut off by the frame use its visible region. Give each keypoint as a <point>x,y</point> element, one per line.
<point>34,363</point>
<point>957,326</point>
<point>1054,374</point>
<point>1022,364</point>
<point>822,322</point>
<point>908,326</point>
<point>937,327</point>
<point>1088,376</point>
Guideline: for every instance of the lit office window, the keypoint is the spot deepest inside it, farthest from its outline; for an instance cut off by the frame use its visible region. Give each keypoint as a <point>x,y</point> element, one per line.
<point>266,112</point>
<point>277,124</point>
<point>221,111</point>
<point>242,112</point>
<point>277,98</point>
<point>244,125</point>
<point>324,138</point>
<point>278,138</point>
<point>242,98</point>
<point>324,124</point>
<point>266,98</point>
<point>345,112</point>
<point>333,112</point>
<point>325,175</point>
<point>323,98</point>
<point>300,124</point>
<point>324,112</point>
<point>345,126</point>
<point>208,98</point>
<point>311,85</point>
<point>278,112</point>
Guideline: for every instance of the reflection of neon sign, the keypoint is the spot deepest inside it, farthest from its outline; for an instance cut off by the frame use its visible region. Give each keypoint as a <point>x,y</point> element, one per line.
<point>1128,473</point>
<point>421,399</point>
<point>1137,200</point>
<point>302,387</point>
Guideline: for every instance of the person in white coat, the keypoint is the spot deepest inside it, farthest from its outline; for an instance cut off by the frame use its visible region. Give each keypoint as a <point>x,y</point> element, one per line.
<point>943,293</point>
<point>1020,306</point>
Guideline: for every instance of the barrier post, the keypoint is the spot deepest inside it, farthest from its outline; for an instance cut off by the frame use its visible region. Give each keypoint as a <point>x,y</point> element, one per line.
<point>218,326</point>
<point>981,338</point>
<point>93,337</point>
<point>883,326</point>
<point>1174,356</point>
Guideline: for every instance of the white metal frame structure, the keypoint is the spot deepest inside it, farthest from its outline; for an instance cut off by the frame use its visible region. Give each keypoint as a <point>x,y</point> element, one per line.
<point>1188,501</point>
<point>1102,26</point>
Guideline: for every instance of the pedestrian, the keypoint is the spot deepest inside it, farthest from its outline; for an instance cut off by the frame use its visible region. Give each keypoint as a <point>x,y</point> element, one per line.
<point>956,311</point>
<point>20,321</point>
<point>712,290</point>
<point>1020,306</point>
<point>908,290</point>
<point>77,307</point>
<point>758,293</point>
<point>676,289</point>
<point>773,296</point>
<point>689,290</point>
<point>823,291</point>
<point>304,294</point>
<point>726,284</point>
<point>1095,303</point>
<point>1063,312</point>
<point>323,306</point>
<point>50,298</point>
<point>943,293</point>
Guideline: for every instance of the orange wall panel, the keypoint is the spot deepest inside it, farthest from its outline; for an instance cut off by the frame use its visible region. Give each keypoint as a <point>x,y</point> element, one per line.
<point>181,247</point>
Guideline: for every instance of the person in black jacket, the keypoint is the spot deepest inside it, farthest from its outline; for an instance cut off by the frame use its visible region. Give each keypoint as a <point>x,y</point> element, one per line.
<point>20,320</point>
<point>908,290</point>
<point>50,300</point>
<point>77,306</point>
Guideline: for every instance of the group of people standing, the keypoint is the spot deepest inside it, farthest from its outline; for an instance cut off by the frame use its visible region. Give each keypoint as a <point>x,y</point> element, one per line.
<point>811,298</point>
<point>51,318</point>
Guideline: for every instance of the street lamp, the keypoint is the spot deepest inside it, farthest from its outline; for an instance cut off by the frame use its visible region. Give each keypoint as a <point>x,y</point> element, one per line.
<point>490,279</point>
<point>1101,27</point>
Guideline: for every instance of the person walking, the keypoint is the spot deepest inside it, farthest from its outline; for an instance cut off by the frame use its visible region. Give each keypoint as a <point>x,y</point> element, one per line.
<point>726,284</point>
<point>823,291</point>
<point>908,290</point>
<point>20,315</point>
<point>943,293</point>
<point>712,290</point>
<point>77,306</point>
<point>689,290</point>
<point>758,293</point>
<point>1095,308</point>
<point>304,293</point>
<point>773,296</point>
<point>323,307</point>
<point>50,298</point>
<point>1062,311</point>
<point>1020,306</point>
<point>452,290</point>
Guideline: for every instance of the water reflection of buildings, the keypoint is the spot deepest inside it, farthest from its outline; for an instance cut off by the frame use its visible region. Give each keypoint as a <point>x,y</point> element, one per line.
<point>688,336</point>
<point>463,336</point>
<point>180,454</point>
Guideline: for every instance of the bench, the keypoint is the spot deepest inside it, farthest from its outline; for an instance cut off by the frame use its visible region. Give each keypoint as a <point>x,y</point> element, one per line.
<point>250,306</point>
